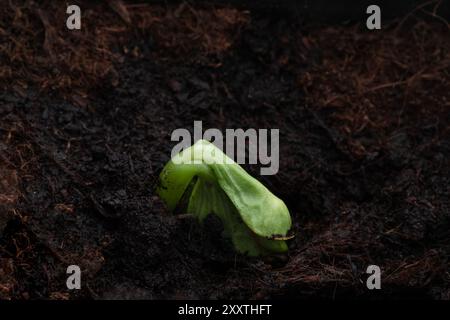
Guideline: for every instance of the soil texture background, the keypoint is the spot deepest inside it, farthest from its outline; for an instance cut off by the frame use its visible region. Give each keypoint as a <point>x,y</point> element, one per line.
<point>85,124</point>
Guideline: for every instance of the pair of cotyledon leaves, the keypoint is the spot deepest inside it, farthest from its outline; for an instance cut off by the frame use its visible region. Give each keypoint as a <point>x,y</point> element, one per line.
<point>256,220</point>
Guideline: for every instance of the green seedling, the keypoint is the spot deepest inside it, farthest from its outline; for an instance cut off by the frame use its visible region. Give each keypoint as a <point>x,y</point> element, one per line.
<point>208,181</point>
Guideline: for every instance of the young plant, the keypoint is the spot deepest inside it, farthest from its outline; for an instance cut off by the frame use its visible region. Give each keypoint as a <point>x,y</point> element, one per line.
<point>256,220</point>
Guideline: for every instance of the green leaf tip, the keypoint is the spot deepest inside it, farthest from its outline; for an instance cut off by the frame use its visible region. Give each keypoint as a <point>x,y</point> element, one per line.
<point>256,220</point>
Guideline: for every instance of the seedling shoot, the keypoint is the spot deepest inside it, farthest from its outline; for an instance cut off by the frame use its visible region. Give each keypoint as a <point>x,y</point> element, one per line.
<point>256,220</point>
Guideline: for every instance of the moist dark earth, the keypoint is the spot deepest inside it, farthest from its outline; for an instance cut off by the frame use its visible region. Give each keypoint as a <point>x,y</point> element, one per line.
<point>78,181</point>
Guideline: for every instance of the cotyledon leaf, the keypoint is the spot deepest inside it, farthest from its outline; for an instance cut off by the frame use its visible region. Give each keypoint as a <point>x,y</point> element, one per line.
<point>207,197</point>
<point>252,216</point>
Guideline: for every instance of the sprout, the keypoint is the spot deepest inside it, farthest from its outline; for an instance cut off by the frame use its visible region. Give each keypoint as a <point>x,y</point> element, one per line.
<point>210,182</point>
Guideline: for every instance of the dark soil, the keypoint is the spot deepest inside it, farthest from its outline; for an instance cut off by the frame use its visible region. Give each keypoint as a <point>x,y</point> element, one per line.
<point>364,158</point>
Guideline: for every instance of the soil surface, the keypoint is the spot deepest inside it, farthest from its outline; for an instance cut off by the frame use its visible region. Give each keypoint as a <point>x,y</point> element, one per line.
<point>364,151</point>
